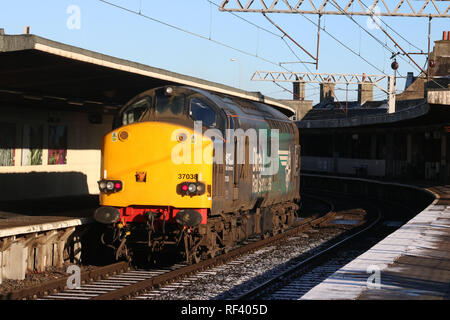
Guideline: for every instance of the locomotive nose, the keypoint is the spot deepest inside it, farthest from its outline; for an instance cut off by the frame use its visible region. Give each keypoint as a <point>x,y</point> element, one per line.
<point>106,215</point>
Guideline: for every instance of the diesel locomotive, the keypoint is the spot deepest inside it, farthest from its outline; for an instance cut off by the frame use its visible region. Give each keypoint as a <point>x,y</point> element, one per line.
<point>195,172</point>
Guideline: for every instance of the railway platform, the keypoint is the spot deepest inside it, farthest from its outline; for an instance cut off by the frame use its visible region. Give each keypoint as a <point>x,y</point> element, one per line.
<point>13,224</point>
<point>411,263</point>
<point>32,240</point>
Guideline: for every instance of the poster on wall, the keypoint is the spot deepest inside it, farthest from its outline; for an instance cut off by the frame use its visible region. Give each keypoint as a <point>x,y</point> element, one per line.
<point>57,144</point>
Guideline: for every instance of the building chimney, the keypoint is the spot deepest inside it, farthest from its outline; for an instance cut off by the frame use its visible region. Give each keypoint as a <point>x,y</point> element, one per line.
<point>26,30</point>
<point>365,92</point>
<point>326,92</point>
<point>2,32</point>
<point>298,90</point>
<point>445,35</point>
<point>409,79</point>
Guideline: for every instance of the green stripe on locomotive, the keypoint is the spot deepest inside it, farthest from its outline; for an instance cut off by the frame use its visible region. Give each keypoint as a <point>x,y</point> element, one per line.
<point>280,182</point>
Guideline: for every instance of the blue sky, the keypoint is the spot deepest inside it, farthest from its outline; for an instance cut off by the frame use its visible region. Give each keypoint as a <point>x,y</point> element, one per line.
<point>109,30</point>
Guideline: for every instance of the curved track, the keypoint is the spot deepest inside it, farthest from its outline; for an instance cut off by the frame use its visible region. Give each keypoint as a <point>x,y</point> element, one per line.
<point>296,281</point>
<point>122,282</point>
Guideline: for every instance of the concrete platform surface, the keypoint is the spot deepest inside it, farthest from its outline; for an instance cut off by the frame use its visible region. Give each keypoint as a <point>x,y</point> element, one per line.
<point>411,263</point>
<point>15,224</point>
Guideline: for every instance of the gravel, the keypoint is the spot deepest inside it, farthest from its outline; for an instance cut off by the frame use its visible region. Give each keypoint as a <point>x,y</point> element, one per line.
<point>231,279</point>
<point>38,278</point>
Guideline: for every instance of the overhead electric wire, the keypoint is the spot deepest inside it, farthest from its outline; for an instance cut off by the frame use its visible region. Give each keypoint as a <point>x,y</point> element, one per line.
<point>240,50</point>
<point>264,29</point>
<point>248,21</point>
<point>283,88</point>
<point>192,33</point>
<point>292,92</point>
<point>384,45</point>
<point>388,26</point>
<point>345,46</point>
<point>209,38</point>
<point>259,27</point>
<point>293,52</point>
<point>395,43</point>
<point>276,92</point>
<point>361,28</point>
<point>342,44</point>
<point>311,95</point>
<point>411,44</point>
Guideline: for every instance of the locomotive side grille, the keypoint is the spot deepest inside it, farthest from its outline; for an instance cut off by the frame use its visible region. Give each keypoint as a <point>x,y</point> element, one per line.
<point>218,180</point>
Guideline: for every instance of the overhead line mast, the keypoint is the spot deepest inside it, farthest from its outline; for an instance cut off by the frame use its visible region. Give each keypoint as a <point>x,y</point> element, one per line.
<point>403,8</point>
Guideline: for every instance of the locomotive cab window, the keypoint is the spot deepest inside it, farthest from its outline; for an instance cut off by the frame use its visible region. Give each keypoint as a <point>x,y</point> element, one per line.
<point>169,106</point>
<point>201,111</point>
<point>137,111</point>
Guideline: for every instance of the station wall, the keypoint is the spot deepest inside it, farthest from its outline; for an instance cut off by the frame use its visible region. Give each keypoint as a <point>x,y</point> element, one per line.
<point>416,153</point>
<point>374,168</point>
<point>46,153</point>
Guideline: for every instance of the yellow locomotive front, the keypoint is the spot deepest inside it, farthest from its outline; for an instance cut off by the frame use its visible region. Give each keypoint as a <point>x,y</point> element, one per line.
<point>154,188</point>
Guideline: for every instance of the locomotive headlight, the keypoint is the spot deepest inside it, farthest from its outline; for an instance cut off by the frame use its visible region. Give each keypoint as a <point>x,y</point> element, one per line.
<point>109,185</point>
<point>102,185</point>
<point>191,189</point>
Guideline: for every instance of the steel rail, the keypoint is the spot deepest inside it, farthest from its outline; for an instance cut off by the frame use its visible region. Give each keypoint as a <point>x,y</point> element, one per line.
<point>142,286</point>
<point>256,292</point>
<point>117,269</point>
<point>60,284</point>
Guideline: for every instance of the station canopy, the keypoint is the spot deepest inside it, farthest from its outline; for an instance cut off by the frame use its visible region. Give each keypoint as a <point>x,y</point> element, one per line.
<point>34,69</point>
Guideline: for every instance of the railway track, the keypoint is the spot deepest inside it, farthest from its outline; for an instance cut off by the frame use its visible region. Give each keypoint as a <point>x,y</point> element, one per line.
<point>287,276</point>
<point>119,281</point>
<point>299,278</point>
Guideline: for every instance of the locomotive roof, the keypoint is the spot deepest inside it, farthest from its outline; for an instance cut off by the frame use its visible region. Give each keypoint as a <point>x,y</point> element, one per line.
<point>243,107</point>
